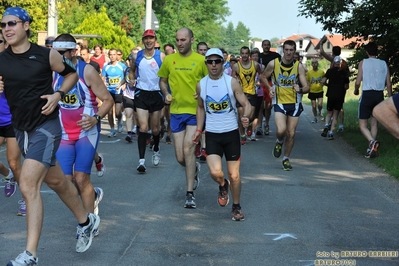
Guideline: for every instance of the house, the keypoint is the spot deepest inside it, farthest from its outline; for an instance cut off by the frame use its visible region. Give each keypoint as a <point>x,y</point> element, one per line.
<point>302,42</point>
<point>337,40</point>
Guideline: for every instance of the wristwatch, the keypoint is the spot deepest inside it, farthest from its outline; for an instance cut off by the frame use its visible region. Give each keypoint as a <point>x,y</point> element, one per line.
<point>98,118</point>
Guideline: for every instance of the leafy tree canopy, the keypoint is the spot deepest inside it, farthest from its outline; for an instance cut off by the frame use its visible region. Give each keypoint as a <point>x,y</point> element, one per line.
<point>375,20</point>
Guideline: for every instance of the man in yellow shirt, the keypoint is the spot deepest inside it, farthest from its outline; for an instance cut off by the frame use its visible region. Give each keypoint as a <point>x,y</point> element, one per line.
<point>314,77</point>
<point>182,71</point>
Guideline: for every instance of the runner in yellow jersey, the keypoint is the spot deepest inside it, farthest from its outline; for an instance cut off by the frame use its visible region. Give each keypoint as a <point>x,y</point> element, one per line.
<point>286,73</point>
<point>314,77</point>
<point>245,72</point>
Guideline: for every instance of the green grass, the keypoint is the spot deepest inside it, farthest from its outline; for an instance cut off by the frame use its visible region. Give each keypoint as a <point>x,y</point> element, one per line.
<point>389,148</point>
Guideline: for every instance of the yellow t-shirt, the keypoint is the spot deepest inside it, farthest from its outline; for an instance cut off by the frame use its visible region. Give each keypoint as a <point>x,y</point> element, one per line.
<point>314,78</point>
<point>284,77</point>
<point>183,74</point>
<point>247,78</point>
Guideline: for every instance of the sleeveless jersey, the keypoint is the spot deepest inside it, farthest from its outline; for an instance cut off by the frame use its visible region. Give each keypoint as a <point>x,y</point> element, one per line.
<point>219,104</point>
<point>374,74</point>
<point>284,77</point>
<point>26,77</point>
<point>147,71</point>
<point>129,91</point>
<point>114,74</point>
<point>79,100</point>
<point>314,78</point>
<point>247,78</point>
<point>100,61</point>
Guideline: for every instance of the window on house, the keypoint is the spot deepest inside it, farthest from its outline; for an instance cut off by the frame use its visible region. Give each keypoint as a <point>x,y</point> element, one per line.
<point>300,44</point>
<point>328,45</point>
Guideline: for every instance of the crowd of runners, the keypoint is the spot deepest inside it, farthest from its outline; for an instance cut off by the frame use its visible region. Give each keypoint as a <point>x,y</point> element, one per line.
<point>207,103</point>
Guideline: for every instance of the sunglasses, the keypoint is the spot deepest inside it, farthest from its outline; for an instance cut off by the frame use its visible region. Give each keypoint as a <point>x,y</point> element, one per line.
<point>118,54</point>
<point>63,52</point>
<point>2,41</point>
<point>213,61</point>
<point>10,23</point>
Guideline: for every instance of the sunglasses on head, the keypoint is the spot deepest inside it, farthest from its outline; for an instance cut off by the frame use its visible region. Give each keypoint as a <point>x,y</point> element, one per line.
<point>10,23</point>
<point>211,61</point>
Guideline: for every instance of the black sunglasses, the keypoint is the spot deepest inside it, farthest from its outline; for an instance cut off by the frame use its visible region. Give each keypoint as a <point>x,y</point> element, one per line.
<point>10,23</point>
<point>211,61</point>
<point>2,41</point>
<point>63,52</point>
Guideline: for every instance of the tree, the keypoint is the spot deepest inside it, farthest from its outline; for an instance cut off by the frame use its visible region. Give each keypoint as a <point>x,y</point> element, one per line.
<point>203,17</point>
<point>112,36</point>
<point>375,20</point>
<point>126,13</point>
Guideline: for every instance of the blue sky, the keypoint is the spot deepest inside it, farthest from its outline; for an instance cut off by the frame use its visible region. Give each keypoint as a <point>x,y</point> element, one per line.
<point>268,19</point>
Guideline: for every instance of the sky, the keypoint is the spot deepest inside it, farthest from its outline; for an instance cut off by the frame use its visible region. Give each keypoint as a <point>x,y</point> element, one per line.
<point>269,19</point>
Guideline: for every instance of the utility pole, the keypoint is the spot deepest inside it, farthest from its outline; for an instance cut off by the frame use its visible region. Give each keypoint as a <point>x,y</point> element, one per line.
<point>148,11</point>
<point>52,19</point>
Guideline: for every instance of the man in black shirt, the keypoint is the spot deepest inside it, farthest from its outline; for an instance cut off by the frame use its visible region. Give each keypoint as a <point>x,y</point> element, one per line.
<point>338,83</point>
<point>34,109</point>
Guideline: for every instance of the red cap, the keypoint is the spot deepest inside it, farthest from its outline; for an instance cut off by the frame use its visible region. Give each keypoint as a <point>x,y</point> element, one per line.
<point>149,33</point>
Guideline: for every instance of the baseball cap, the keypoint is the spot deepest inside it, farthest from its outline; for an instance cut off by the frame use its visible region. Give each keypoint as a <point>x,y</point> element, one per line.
<point>337,60</point>
<point>214,51</point>
<point>149,33</point>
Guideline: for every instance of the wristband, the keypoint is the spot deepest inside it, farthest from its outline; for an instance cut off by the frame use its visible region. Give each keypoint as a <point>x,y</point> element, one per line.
<point>62,94</point>
<point>199,131</point>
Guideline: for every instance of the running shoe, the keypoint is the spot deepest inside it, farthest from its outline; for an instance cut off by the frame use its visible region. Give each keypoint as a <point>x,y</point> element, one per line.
<point>141,168</point>
<point>190,201</point>
<point>267,130</point>
<point>223,194</point>
<point>22,208</point>
<point>237,214</point>
<point>10,186</point>
<point>168,140</point>
<point>325,131</point>
<point>196,178</point>
<point>258,132</point>
<point>100,166</point>
<point>287,165</point>
<point>197,150</point>
<point>24,259</point>
<point>129,137</point>
<point>314,120</point>
<point>86,233</point>
<point>99,197</point>
<point>120,126</point>
<point>330,136</point>
<point>134,131</point>
<point>203,156</point>
<point>253,138</point>
<point>112,133</point>
<point>373,149</point>
<point>277,150</point>
<point>156,158</point>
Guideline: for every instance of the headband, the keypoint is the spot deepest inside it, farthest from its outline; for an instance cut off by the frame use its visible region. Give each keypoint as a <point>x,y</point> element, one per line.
<point>63,44</point>
<point>20,13</point>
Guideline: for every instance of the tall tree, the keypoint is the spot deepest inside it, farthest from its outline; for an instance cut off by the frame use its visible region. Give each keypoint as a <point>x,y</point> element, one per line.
<point>377,20</point>
<point>203,17</point>
<point>112,36</point>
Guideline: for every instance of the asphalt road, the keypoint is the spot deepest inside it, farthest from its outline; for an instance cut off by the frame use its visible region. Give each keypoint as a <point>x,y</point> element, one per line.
<point>334,207</point>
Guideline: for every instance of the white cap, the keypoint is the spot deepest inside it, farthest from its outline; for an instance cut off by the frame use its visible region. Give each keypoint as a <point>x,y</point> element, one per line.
<point>214,51</point>
<point>337,60</point>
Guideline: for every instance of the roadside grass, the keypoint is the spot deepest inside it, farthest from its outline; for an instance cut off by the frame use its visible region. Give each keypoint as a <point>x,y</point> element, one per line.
<point>389,149</point>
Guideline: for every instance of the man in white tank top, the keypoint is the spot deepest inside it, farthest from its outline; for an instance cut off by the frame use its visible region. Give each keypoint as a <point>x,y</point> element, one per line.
<point>218,94</point>
<point>374,74</point>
